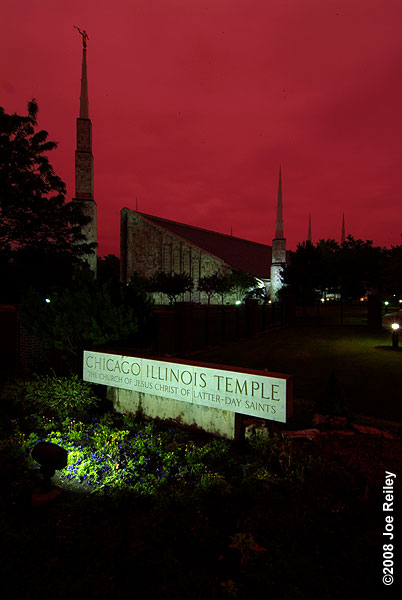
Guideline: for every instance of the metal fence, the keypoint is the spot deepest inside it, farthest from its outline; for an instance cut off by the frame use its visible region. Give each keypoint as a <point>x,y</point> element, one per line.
<point>186,327</point>
<point>339,313</point>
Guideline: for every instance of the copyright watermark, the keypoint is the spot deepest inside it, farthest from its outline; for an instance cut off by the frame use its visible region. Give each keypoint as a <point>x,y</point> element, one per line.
<point>388,533</point>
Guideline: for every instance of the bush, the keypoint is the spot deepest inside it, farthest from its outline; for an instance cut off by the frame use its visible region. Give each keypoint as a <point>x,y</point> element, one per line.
<point>53,396</point>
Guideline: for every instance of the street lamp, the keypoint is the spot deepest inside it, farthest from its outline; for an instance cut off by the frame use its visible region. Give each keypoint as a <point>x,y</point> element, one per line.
<point>395,335</point>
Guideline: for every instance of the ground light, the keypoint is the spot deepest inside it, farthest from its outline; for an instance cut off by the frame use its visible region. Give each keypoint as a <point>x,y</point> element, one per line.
<point>395,335</point>
<point>51,458</point>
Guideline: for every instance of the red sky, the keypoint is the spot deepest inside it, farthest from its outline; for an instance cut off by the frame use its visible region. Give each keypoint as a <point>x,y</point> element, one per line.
<point>196,103</point>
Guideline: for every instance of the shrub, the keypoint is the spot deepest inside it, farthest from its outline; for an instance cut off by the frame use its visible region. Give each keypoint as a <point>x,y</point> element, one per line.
<point>54,396</point>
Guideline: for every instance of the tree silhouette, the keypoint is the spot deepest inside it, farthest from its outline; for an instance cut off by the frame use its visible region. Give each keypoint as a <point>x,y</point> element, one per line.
<point>38,228</point>
<point>172,285</point>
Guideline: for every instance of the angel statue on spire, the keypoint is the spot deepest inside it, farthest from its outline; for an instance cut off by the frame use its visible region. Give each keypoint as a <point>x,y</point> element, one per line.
<point>84,36</point>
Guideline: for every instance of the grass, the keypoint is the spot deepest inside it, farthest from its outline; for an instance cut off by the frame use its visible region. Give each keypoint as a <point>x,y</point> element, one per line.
<point>368,371</point>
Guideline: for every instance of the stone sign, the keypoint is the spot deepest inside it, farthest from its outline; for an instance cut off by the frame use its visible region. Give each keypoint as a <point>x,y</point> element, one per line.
<point>255,393</point>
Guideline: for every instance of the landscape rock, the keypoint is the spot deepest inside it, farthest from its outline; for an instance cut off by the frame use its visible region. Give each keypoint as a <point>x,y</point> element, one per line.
<point>366,429</point>
<point>330,421</point>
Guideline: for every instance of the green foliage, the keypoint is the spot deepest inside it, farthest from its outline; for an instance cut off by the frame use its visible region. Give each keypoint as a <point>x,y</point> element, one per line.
<point>53,396</point>
<point>37,225</point>
<point>392,275</point>
<point>171,284</point>
<point>114,453</point>
<point>218,284</point>
<point>109,268</point>
<point>243,283</point>
<point>258,515</point>
<point>350,269</point>
<point>303,273</point>
<point>87,313</point>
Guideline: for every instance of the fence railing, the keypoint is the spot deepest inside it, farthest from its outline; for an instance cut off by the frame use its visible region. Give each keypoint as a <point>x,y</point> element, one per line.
<point>186,327</point>
<point>341,313</point>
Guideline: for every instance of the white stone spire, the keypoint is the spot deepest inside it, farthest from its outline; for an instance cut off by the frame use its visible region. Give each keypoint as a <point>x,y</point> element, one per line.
<point>278,246</point>
<point>84,161</point>
<point>84,108</point>
<point>279,210</point>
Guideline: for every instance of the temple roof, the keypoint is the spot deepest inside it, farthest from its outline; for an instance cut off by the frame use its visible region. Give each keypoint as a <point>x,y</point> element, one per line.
<point>238,253</point>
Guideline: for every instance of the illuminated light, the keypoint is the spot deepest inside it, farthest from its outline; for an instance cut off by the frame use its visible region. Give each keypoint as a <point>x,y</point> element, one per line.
<point>400,301</point>
<point>269,301</point>
<point>386,302</point>
<point>322,299</point>
<point>238,302</point>
<point>395,326</point>
<point>47,300</point>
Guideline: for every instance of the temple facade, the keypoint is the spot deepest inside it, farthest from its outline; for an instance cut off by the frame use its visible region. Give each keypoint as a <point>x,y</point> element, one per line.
<point>149,244</point>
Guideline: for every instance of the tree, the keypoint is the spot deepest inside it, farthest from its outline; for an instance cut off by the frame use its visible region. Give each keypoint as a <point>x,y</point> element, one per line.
<point>35,220</point>
<point>243,284</point>
<point>393,272</point>
<point>302,275</point>
<point>361,267</point>
<point>87,313</point>
<point>208,285</point>
<point>172,285</point>
<point>218,284</point>
<point>350,269</point>
<point>109,268</point>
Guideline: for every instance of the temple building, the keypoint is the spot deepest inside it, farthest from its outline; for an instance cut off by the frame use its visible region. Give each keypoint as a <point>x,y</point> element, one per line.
<point>149,244</point>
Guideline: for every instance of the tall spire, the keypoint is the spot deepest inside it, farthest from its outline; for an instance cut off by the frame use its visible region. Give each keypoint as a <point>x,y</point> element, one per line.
<point>278,260</point>
<point>343,229</point>
<point>279,211</point>
<point>309,229</point>
<point>84,162</point>
<point>84,110</point>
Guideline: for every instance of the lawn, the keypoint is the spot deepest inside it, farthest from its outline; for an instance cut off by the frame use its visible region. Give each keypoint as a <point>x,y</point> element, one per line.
<point>368,371</point>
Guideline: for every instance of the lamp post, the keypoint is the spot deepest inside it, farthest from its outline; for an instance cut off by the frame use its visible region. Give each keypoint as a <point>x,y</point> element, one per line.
<point>395,335</point>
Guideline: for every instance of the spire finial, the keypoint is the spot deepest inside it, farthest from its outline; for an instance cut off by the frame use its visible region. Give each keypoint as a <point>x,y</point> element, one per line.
<point>279,215</point>
<point>84,36</point>
<point>309,229</point>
